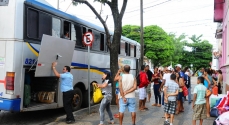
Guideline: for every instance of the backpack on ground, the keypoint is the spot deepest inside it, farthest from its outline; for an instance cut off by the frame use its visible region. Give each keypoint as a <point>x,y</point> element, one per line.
<point>223,119</point>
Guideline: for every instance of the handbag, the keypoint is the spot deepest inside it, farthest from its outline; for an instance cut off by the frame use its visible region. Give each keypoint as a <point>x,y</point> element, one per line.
<point>185,90</point>
<point>214,112</point>
<point>215,90</point>
<point>208,93</point>
<point>97,94</point>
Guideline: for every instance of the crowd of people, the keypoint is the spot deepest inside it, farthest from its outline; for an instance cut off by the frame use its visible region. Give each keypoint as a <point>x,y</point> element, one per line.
<point>169,86</point>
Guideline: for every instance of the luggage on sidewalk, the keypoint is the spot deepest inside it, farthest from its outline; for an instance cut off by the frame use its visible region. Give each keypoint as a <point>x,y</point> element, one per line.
<point>223,119</point>
<point>214,98</point>
<point>214,112</point>
<point>27,94</point>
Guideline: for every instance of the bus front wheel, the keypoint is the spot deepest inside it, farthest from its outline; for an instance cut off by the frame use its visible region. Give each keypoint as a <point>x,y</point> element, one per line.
<point>77,99</point>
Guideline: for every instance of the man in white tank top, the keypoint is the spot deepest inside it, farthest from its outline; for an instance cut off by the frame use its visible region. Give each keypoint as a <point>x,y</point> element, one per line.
<point>127,86</point>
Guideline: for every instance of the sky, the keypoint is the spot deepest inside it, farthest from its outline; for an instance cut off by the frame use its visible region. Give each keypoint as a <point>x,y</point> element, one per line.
<point>177,16</point>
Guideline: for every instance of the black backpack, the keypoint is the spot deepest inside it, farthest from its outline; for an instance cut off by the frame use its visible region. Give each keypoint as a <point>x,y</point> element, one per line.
<point>138,79</point>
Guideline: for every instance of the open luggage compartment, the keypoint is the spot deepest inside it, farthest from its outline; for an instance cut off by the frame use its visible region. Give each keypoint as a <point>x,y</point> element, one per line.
<point>39,91</point>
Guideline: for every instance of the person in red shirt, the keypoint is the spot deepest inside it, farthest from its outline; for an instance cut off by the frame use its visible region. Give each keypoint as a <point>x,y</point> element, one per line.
<point>142,88</point>
<point>156,87</point>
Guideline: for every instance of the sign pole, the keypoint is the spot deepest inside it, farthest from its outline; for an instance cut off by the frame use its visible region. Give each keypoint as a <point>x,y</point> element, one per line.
<point>88,39</point>
<point>89,86</point>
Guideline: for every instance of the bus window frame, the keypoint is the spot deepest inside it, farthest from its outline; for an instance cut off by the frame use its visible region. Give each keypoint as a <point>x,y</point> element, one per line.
<point>25,22</point>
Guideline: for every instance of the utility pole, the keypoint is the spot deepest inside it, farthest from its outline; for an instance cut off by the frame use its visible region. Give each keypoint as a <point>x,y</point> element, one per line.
<point>58,4</point>
<point>141,34</point>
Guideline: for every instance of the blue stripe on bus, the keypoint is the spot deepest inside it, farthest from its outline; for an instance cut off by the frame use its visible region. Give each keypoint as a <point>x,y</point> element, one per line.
<point>85,66</point>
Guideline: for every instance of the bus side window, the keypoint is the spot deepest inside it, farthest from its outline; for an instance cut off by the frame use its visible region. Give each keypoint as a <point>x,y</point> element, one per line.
<point>45,24</point>
<point>32,23</point>
<point>38,23</point>
<point>84,30</point>
<point>77,35</point>
<point>102,42</point>
<point>132,49</point>
<point>122,48</point>
<point>96,43</point>
<point>67,30</point>
<point>129,49</point>
<point>56,26</point>
<point>135,51</point>
<point>126,49</point>
<point>89,30</point>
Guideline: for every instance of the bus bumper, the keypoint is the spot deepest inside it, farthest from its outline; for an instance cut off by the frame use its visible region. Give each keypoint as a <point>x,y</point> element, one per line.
<point>10,104</point>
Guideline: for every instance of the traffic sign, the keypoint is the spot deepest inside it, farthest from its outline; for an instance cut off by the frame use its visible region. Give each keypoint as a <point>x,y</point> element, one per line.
<point>88,39</point>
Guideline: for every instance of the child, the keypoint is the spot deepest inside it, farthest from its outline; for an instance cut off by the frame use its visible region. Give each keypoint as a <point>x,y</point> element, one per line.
<point>171,90</point>
<point>199,102</point>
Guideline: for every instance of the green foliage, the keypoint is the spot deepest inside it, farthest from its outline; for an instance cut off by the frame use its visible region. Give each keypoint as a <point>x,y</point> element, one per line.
<point>131,31</point>
<point>199,56</point>
<point>163,48</point>
<point>179,43</point>
<point>159,45</point>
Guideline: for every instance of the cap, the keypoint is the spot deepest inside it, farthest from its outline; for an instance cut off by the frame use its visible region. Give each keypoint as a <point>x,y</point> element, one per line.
<point>178,65</point>
<point>170,68</point>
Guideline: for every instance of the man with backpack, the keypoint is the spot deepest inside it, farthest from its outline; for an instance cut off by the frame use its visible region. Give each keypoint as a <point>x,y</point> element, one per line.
<point>143,82</point>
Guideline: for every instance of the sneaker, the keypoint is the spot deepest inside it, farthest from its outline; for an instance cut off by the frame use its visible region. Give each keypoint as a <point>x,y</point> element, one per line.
<point>70,121</point>
<point>166,123</point>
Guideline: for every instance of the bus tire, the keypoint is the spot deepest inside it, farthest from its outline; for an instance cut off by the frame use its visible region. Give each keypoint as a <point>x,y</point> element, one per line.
<point>85,99</point>
<point>77,99</point>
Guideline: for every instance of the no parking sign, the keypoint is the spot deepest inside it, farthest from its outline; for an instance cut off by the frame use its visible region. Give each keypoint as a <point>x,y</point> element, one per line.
<point>88,39</point>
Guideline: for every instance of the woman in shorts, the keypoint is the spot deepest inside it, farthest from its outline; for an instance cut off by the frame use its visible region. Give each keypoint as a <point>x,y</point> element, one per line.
<point>117,77</point>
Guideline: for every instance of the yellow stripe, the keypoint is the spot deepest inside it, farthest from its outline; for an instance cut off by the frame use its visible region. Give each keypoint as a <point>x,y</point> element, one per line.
<point>31,48</point>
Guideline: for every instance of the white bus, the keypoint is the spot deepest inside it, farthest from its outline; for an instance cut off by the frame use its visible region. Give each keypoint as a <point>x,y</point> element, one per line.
<point>22,25</point>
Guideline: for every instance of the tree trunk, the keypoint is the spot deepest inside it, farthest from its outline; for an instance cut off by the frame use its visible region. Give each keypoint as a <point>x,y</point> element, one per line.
<point>114,46</point>
<point>114,51</point>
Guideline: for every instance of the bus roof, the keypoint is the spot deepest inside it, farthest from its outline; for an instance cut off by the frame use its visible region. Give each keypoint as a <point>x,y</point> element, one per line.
<point>43,5</point>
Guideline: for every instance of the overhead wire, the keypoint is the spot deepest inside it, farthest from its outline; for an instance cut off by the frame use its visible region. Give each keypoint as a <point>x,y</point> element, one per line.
<point>139,9</point>
<point>185,26</point>
<point>187,21</point>
<point>179,11</point>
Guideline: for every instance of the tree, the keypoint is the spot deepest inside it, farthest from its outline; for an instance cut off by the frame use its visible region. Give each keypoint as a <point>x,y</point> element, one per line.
<point>159,45</point>
<point>132,32</point>
<point>115,44</point>
<point>200,54</point>
<point>195,38</point>
<point>178,43</point>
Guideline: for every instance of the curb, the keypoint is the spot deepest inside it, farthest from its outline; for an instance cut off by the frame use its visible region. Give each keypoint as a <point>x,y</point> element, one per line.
<point>79,114</point>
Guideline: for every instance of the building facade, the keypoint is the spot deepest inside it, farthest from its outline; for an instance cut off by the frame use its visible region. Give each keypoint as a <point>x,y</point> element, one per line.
<point>221,16</point>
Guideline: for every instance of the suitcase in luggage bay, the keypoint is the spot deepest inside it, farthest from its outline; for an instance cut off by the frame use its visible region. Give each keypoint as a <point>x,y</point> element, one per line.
<point>27,95</point>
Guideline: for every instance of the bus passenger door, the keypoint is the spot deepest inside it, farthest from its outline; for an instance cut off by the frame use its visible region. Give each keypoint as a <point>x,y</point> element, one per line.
<point>54,49</point>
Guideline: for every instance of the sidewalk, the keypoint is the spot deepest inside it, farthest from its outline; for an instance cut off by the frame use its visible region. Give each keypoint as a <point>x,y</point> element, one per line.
<point>151,117</point>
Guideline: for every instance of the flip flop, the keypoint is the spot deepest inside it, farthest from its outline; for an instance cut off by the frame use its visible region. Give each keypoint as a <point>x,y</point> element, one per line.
<point>164,117</point>
<point>142,110</point>
<point>111,122</point>
<point>146,108</point>
<point>116,116</point>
